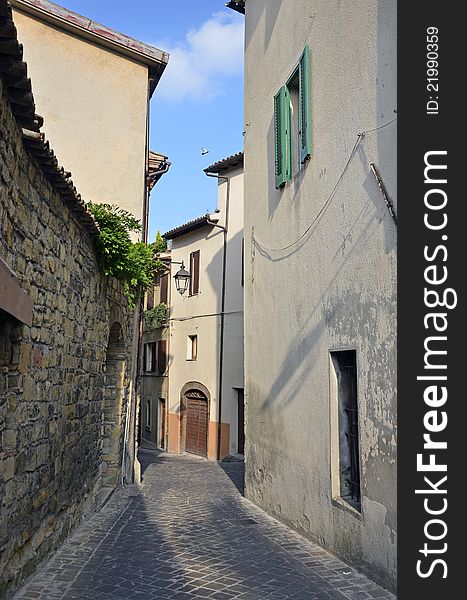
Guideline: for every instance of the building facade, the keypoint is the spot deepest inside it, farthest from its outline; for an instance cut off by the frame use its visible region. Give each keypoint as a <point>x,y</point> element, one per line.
<point>202,345</point>
<point>154,372</point>
<point>320,272</point>
<point>93,87</point>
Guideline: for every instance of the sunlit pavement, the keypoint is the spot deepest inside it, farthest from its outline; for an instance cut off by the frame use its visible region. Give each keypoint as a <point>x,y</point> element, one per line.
<point>187,532</point>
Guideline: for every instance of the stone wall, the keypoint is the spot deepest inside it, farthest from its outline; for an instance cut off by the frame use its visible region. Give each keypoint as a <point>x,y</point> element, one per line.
<point>60,436</point>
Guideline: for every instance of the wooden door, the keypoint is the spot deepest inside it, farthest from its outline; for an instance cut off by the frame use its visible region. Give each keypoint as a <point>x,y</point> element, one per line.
<point>162,423</point>
<point>196,440</point>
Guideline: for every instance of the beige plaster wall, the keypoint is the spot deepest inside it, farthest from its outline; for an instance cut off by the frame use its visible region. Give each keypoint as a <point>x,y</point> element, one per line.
<point>95,106</point>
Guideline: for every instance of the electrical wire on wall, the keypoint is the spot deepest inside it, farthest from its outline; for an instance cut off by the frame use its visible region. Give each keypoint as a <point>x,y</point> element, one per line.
<point>263,249</point>
<point>217,314</point>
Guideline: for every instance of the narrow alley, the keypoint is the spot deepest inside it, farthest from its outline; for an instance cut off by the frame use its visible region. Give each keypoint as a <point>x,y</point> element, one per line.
<point>188,532</point>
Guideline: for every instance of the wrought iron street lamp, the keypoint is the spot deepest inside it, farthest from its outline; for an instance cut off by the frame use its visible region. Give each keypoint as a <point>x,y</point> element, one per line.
<point>182,279</point>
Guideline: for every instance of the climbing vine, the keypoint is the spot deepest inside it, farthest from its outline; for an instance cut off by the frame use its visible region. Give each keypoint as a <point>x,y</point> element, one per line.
<point>132,263</point>
<point>155,317</point>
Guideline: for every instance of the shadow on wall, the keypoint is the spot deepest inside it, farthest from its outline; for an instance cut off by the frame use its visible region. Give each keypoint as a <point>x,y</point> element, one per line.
<point>386,82</point>
<point>274,194</point>
<point>300,357</point>
<point>271,9</point>
<point>214,268</point>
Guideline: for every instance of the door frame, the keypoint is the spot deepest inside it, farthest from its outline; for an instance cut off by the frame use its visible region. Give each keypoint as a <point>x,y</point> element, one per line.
<point>241,433</point>
<point>199,387</point>
<point>161,423</point>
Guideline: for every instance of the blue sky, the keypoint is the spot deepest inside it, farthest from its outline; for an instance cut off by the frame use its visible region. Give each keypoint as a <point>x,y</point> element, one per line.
<point>199,100</point>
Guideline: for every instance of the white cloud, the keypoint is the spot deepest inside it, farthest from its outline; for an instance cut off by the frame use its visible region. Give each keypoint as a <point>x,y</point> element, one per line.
<point>198,67</point>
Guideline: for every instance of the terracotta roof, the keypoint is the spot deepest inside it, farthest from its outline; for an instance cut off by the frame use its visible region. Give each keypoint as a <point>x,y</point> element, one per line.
<point>17,86</point>
<point>155,159</point>
<point>187,227</point>
<point>158,165</point>
<point>233,161</point>
<point>238,5</point>
<point>65,19</point>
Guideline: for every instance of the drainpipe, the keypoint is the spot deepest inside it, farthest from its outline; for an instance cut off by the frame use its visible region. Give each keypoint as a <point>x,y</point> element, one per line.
<point>165,168</point>
<point>146,167</point>
<point>167,387</point>
<point>138,318</point>
<point>221,342</point>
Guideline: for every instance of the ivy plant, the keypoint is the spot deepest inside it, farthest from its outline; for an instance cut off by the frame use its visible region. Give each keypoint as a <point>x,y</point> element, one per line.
<point>131,262</point>
<point>155,317</point>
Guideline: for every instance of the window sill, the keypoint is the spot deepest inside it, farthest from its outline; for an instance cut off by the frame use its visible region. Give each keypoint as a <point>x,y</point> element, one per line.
<point>345,506</point>
<point>153,374</point>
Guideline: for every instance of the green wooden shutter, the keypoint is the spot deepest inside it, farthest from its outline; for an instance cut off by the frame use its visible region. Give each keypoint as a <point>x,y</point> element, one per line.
<point>282,136</point>
<point>305,112</point>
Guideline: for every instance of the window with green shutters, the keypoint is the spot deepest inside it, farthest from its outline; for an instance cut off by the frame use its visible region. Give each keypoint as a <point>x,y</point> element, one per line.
<point>292,123</point>
<point>281,135</point>
<point>305,124</point>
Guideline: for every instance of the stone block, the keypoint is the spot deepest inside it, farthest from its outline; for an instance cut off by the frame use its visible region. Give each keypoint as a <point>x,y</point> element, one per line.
<point>27,248</point>
<point>9,438</point>
<point>7,468</point>
<point>24,357</point>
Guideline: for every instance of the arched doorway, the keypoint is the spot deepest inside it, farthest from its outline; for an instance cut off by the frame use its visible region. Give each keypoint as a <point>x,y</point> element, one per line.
<point>113,407</point>
<point>195,419</point>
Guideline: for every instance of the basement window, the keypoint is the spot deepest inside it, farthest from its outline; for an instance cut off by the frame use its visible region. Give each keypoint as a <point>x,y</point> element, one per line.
<point>344,363</point>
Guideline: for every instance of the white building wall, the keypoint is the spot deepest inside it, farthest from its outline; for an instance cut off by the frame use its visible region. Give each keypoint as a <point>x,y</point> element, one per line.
<point>336,287</point>
<point>200,315</point>
<point>233,335</point>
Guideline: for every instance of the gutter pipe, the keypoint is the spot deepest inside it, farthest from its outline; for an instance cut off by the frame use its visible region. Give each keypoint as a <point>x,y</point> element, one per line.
<point>221,341</point>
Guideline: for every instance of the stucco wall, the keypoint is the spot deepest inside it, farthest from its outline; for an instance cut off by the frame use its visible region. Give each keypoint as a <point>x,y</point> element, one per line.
<point>233,326</point>
<point>95,107</point>
<point>61,435</point>
<point>336,287</point>
<point>205,370</point>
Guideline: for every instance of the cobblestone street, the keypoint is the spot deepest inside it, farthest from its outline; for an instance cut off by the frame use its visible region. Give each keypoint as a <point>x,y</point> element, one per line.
<point>188,533</point>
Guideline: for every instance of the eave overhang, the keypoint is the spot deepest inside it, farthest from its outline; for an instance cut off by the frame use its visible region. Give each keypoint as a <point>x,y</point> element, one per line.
<point>62,18</point>
<point>237,5</point>
<point>13,299</point>
<point>188,227</point>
